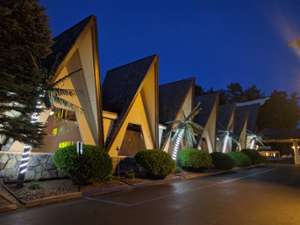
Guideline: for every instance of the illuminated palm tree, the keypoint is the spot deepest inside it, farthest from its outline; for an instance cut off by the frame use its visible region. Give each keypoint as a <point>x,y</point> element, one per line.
<point>49,95</point>
<point>255,139</point>
<point>185,131</point>
<point>227,137</point>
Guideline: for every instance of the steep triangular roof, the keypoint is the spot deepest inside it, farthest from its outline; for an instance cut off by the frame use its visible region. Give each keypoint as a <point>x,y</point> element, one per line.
<point>63,43</point>
<point>207,103</point>
<point>171,98</point>
<point>224,114</point>
<point>120,87</point>
<point>241,117</point>
<point>79,45</point>
<point>252,117</point>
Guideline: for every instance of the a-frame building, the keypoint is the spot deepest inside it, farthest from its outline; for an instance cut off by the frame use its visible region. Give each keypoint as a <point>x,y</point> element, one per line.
<point>175,100</point>
<point>240,125</point>
<point>225,126</point>
<point>207,118</point>
<point>130,103</point>
<point>74,65</point>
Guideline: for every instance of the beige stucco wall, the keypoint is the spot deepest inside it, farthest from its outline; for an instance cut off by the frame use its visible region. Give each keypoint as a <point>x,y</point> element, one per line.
<point>149,95</point>
<point>243,135</point>
<point>108,121</point>
<point>136,115</point>
<point>81,58</point>
<point>209,131</point>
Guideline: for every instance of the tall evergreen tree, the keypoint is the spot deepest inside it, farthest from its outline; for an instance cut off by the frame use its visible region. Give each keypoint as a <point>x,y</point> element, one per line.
<point>252,93</point>
<point>235,92</point>
<point>280,111</point>
<point>25,40</point>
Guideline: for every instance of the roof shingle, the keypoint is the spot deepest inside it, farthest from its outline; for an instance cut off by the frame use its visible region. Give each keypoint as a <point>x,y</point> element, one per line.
<point>207,102</point>
<point>171,98</point>
<point>120,86</point>
<point>63,43</point>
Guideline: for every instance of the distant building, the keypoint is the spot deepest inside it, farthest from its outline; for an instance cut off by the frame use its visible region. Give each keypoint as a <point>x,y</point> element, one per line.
<point>207,118</point>
<point>175,101</point>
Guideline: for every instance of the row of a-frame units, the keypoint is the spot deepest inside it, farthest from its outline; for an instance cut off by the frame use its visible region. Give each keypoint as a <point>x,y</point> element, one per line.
<point>129,111</point>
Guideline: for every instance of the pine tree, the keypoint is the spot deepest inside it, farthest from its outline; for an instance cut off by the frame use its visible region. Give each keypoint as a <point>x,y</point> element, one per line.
<point>25,40</point>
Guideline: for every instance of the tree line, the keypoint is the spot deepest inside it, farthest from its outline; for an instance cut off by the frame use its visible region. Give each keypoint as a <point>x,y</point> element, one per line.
<point>281,110</point>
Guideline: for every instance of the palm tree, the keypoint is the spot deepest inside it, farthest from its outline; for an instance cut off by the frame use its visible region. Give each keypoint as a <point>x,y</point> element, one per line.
<point>226,137</point>
<point>49,95</point>
<point>184,131</point>
<point>255,139</point>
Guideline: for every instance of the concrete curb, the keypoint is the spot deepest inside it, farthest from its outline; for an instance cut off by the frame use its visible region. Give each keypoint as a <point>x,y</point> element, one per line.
<point>9,207</point>
<point>51,199</point>
<point>192,176</point>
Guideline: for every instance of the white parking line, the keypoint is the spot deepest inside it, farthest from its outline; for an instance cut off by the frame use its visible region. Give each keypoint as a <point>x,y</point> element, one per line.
<point>108,201</point>
<point>243,177</point>
<point>183,192</point>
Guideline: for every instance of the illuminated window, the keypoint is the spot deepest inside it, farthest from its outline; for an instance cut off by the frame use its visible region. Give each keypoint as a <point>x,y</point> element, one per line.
<point>64,114</point>
<point>64,144</point>
<point>54,131</point>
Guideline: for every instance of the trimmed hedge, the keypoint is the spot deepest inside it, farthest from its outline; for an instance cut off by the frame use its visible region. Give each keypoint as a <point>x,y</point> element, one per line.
<point>254,156</point>
<point>222,161</point>
<point>240,159</point>
<point>158,164</point>
<point>194,159</point>
<point>93,165</point>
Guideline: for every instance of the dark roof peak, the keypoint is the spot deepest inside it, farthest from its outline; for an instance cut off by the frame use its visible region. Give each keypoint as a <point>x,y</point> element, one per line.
<point>63,43</point>
<point>78,24</point>
<point>207,103</point>
<point>188,79</point>
<point>120,87</point>
<point>171,98</point>
<point>150,57</point>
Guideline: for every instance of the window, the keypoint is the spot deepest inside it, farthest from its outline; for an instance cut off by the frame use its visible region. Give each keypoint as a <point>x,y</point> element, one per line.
<point>64,144</point>
<point>64,114</point>
<point>54,131</point>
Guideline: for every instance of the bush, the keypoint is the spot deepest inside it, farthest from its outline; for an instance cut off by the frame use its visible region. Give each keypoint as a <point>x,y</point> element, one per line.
<point>240,159</point>
<point>254,156</point>
<point>158,164</point>
<point>194,159</point>
<point>222,161</point>
<point>93,165</point>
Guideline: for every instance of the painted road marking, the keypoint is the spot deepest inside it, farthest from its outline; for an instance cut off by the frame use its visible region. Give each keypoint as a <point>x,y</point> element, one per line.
<point>243,177</point>
<point>108,201</point>
<point>227,181</point>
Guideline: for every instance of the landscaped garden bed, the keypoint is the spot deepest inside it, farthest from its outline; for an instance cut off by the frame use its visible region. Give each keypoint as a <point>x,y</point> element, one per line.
<point>36,190</point>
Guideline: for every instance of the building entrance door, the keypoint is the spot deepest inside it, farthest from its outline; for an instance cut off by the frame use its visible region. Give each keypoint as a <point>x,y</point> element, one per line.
<point>133,141</point>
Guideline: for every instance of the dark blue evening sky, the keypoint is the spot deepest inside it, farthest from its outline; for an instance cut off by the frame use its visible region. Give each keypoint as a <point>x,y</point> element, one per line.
<point>216,41</point>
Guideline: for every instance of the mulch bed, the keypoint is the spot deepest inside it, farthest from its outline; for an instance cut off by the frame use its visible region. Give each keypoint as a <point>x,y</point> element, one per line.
<point>41,189</point>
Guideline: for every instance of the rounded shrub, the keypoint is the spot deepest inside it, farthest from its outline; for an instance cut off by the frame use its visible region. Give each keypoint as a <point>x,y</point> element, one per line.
<point>254,155</point>
<point>194,159</point>
<point>222,161</point>
<point>158,164</point>
<point>240,159</point>
<point>93,165</point>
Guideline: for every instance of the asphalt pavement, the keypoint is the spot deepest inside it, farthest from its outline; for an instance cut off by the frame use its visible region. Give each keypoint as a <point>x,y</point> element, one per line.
<point>261,196</point>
